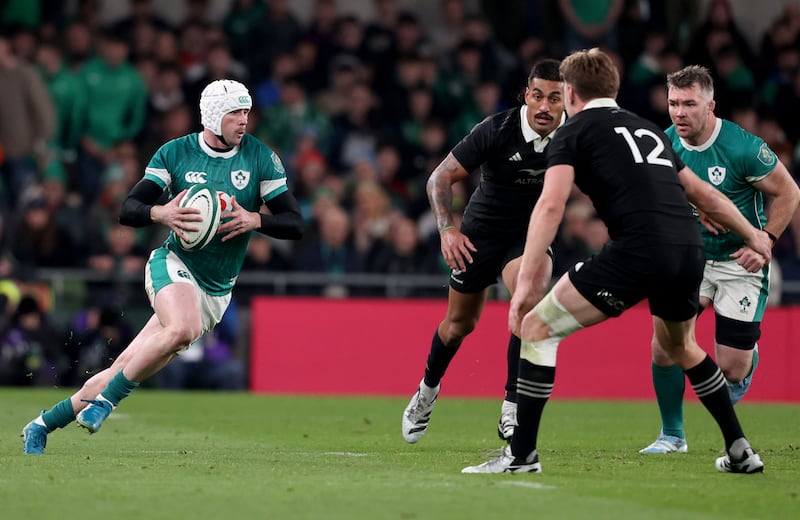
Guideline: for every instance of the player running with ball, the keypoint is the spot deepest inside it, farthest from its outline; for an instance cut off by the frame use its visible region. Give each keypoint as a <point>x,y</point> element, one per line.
<point>189,291</point>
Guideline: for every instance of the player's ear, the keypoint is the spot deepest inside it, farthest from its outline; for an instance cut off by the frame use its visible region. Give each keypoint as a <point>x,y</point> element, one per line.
<point>711,105</point>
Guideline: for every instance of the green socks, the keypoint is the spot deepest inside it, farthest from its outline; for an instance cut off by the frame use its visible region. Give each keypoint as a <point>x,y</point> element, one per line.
<point>58,416</point>
<point>669,384</point>
<point>118,388</point>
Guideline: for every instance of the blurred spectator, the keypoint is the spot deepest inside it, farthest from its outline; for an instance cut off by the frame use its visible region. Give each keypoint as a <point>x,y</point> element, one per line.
<point>447,30</point>
<point>312,74</point>
<point>788,115</point>
<point>27,123</point>
<point>116,252</point>
<point>379,42</point>
<point>350,39</point>
<point>167,91</point>
<point>283,124</point>
<point>402,253</point>
<point>409,37</point>
<point>268,92</point>
<point>682,20</point>
<point>718,28</point>
<point>485,100</point>
<point>78,45</point>
<point>30,350</point>
<point>65,89</point>
<point>167,49</point>
<point>419,110</point>
<point>24,42</point>
<point>355,133</point>
<point>372,212</point>
<point>96,336</point>
<point>458,84</point>
<point>310,172</point>
<point>276,33</point>
<point>432,149</point>
<point>209,363</point>
<point>332,252</point>
<point>572,244</point>
<point>321,31</point>
<point>787,61</point>
<point>591,23</point>
<point>192,43</point>
<point>495,60</point>
<point>737,84</point>
<point>197,11</point>
<point>112,110</point>
<point>218,64</point>
<point>530,50</point>
<point>7,261</point>
<point>409,74</point>
<point>390,175</point>
<point>65,208</point>
<point>262,255</point>
<point>142,14</point>
<point>240,24</point>
<point>38,239</point>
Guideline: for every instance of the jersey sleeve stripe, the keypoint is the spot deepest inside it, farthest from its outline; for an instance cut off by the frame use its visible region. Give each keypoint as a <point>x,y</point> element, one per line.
<point>272,188</point>
<point>161,175</point>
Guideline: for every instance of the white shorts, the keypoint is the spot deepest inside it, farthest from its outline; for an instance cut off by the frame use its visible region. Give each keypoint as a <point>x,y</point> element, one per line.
<point>164,268</point>
<point>735,293</point>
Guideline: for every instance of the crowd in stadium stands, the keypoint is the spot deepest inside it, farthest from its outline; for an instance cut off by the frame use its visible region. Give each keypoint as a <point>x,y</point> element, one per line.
<point>359,108</point>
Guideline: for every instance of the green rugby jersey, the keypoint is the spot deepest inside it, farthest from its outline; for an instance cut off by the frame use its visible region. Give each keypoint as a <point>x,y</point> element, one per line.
<point>730,160</point>
<point>251,172</point>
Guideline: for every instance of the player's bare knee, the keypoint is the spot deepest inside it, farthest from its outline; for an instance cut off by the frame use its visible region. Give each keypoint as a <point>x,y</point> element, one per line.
<point>180,335</point>
<point>734,370</point>
<point>660,355</point>
<point>456,329</point>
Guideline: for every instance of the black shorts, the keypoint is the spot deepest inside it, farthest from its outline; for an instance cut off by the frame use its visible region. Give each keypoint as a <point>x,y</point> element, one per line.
<point>494,251</point>
<point>667,276</point>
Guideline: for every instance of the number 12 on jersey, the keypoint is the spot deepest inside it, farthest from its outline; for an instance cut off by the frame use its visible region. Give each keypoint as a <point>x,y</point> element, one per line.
<point>655,155</point>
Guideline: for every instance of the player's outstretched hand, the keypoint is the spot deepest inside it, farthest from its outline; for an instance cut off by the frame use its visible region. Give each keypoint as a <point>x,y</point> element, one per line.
<point>238,221</point>
<point>175,217</point>
<point>456,249</point>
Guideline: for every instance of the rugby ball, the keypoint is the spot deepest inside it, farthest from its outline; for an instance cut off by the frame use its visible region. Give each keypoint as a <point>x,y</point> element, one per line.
<point>204,198</point>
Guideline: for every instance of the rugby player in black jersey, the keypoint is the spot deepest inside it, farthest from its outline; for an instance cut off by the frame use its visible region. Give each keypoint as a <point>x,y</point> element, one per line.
<point>639,187</point>
<point>509,150</point>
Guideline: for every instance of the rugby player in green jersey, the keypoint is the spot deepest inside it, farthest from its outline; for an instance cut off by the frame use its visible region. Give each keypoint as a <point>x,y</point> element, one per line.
<point>735,279</point>
<point>188,290</point>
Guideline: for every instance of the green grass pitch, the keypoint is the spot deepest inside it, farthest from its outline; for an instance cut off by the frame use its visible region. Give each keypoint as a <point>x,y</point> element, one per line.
<point>236,456</point>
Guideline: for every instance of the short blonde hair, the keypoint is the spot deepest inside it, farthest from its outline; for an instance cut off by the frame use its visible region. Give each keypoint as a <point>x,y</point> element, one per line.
<point>591,73</point>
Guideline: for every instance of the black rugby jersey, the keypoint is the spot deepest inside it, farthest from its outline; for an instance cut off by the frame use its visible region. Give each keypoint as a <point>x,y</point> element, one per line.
<point>627,166</point>
<point>511,173</point>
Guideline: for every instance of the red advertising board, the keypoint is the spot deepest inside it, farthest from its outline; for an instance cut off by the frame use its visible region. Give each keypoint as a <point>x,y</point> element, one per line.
<point>379,347</point>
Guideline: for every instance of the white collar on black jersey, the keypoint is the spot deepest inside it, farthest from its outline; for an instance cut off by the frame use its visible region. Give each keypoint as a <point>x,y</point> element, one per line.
<point>531,135</point>
<point>213,153</point>
<point>601,102</point>
<point>705,146</point>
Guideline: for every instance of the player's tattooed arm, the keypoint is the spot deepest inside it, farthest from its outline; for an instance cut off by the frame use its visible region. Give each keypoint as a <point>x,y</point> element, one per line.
<point>440,191</point>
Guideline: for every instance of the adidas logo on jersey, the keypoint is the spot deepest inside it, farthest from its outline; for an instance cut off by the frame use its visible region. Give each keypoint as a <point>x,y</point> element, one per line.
<point>515,158</point>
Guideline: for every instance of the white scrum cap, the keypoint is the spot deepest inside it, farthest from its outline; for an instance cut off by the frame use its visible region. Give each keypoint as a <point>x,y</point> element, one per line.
<point>220,97</point>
